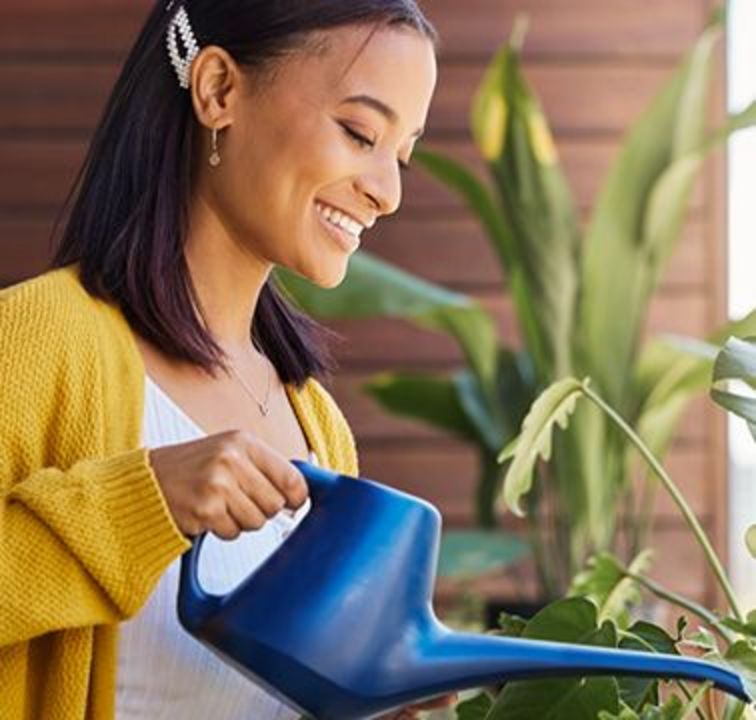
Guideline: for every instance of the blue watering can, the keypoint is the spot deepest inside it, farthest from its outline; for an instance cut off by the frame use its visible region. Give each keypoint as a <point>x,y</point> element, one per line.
<point>338,622</point>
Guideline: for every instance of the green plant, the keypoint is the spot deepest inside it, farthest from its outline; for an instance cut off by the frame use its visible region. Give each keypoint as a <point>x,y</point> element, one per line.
<point>602,596</point>
<point>580,297</point>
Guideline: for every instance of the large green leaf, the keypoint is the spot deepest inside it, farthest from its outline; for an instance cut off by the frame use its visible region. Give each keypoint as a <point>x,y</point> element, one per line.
<point>737,362</point>
<point>432,399</point>
<point>605,582</point>
<point>373,287</point>
<point>512,134</point>
<point>668,201</point>
<point>644,636</point>
<point>476,708</point>
<point>620,263</point>
<point>572,620</point>
<point>553,407</point>
<point>670,373</point>
<point>476,196</point>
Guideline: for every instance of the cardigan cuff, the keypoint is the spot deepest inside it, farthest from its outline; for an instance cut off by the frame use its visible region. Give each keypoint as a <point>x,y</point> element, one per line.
<point>139,510</point>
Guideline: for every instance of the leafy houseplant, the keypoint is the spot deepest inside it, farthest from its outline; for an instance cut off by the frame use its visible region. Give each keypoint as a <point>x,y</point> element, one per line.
<point>580,298</point>
<point>597,611</point>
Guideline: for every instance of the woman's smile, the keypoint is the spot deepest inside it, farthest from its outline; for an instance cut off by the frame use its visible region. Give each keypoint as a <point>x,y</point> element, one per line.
<point>345,230</point>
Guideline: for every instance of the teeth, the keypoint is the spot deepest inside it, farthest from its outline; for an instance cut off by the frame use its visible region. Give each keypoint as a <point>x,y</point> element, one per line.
<point>339,219</point>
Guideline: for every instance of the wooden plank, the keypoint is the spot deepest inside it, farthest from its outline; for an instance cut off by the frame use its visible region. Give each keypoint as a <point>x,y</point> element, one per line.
<point>578,97</point>
<point>603,97</point>
<point>473,29</point>
<point>36,174</point>
<point>25,249</point>
<point>447,474</point>
<point>373,425</point>
<point>66,97</point>
<point>580,28</point>
<point>48,28</point>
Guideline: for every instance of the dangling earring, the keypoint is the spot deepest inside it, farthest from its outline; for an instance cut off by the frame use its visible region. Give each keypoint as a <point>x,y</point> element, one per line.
<point>215,158</point>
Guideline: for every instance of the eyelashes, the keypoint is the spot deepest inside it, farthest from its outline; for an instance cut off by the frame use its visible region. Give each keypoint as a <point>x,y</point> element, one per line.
<point>364,142</point>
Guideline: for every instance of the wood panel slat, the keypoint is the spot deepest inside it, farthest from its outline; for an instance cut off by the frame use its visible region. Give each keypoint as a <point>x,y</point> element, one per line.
<point>446,475</point>
<point>577,97</point>
<point>49,28</point>
<point>580,28</point>
<point>68,97</point>
<point>473,29</point>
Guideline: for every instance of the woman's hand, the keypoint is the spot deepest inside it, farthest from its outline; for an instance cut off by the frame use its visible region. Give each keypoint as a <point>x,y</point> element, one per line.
<point>410,712</point>
<point>226,483</point>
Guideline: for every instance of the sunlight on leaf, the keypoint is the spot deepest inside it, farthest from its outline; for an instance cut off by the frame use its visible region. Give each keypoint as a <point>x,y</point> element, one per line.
<point>751,540</point>
<point>605,582</point>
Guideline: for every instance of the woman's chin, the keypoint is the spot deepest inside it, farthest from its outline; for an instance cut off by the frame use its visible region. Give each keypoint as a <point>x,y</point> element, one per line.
<point>325,278</point>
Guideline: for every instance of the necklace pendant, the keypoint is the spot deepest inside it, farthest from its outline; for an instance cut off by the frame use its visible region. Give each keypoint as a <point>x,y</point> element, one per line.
<point>264,409</point>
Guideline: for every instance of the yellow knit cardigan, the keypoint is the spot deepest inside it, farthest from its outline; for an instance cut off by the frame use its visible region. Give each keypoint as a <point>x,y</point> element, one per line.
<point>84,530</point>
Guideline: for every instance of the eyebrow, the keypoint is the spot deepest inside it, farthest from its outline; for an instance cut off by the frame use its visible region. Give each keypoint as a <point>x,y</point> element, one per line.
<point>389,113</point>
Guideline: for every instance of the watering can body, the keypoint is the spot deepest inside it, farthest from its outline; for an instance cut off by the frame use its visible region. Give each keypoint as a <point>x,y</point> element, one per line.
<point>338,622</point>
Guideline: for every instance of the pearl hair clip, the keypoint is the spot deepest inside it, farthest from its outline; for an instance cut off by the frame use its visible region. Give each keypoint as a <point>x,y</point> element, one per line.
<point>180,26</point>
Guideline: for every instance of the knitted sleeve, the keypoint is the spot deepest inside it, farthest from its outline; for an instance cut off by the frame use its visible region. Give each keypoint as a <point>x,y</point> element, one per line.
<point>84,530</point>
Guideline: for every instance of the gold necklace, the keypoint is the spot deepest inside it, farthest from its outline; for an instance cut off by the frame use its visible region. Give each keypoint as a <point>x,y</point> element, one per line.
<point>263,406</point>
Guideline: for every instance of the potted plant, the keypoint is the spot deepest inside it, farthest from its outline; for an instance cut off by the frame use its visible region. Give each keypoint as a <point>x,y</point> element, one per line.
<point>580,297</point>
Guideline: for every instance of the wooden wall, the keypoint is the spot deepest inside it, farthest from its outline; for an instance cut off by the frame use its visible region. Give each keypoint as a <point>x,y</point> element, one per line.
<point>595,64</point>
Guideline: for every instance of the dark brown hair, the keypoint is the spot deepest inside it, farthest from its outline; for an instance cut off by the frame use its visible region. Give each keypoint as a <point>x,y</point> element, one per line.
<point>129,203</point>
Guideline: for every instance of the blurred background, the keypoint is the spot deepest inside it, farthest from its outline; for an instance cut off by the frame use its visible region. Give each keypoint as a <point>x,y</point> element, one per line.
<point>595,65</point>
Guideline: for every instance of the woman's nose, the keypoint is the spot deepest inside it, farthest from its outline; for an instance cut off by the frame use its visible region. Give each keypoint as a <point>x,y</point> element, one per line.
<point>382,184</point>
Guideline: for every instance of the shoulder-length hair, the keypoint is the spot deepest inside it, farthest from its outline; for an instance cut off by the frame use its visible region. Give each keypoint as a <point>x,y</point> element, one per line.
<point>129,203</point>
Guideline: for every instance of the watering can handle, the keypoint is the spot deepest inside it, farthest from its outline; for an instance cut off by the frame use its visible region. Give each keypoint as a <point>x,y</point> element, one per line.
<point>194,602</point>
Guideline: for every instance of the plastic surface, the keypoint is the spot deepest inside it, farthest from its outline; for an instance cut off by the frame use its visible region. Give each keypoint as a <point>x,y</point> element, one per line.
<point>338,622</point>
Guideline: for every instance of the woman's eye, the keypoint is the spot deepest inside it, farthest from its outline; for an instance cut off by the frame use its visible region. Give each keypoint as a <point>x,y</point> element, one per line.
<point>361,140</point>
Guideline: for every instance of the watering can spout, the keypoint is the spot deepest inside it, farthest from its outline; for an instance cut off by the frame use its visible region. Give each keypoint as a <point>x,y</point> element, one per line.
<point>475,660</point>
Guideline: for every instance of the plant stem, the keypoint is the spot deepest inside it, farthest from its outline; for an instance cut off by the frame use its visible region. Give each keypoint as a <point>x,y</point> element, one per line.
<point>683,602</point>
<point>677,497</point>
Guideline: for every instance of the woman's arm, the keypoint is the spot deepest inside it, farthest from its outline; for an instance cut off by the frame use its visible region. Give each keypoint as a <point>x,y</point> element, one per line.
<point>82,547</point>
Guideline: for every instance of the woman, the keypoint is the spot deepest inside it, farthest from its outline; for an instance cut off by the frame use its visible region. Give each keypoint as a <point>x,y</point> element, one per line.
<point>155,384</point>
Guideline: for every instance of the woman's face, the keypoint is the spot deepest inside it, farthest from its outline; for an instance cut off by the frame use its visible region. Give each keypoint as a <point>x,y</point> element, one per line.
<point>328,132</point>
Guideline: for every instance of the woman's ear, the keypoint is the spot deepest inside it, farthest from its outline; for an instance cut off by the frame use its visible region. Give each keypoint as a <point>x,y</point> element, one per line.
<point>215,87</point>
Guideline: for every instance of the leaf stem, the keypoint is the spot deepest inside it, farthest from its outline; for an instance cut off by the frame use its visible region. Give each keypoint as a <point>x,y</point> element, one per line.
<point>676,496</point>
<point>681,601</point>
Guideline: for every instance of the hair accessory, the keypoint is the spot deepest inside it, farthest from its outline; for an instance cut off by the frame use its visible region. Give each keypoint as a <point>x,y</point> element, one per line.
<point>180,26</point>
<point>215,158</point>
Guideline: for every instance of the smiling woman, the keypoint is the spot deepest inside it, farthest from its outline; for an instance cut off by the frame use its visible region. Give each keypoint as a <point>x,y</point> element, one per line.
<point>161,384</point>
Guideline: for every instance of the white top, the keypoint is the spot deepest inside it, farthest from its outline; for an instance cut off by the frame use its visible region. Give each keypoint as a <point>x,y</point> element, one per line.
<point>163,673</point>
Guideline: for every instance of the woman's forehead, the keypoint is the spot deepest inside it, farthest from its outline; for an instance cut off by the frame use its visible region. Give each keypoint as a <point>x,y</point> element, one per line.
<point>395,65</point>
